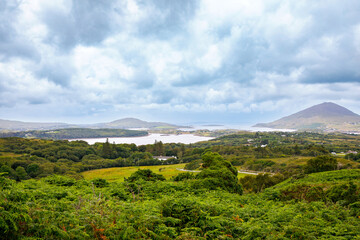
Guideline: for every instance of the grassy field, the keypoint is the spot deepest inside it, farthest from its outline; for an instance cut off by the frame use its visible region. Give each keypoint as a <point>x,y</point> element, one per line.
<point>299,160</point>
<point>294,160</point>
<point>241,175</point>
<point>118,174</point>
<point>7,154</point>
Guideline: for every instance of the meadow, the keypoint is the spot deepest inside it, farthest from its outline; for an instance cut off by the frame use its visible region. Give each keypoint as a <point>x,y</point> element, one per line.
<point>118,174</point>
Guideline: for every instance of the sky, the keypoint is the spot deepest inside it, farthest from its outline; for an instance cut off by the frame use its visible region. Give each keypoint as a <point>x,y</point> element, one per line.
<point>229,61</point>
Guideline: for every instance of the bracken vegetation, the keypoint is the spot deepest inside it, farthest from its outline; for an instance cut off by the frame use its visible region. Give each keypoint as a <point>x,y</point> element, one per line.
<point>301,190</point>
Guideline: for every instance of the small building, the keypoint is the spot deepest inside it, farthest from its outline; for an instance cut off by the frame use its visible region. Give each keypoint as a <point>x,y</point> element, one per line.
<point>353,152</point>
<point>163,158</point>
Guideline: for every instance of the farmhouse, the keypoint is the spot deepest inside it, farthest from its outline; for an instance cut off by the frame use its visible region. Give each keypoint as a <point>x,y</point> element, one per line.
<point>163,158</point>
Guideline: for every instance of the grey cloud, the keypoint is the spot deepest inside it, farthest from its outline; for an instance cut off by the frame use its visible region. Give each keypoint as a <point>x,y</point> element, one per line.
<point>162,96</point>
<point>265,50</point>
<point>59,72</point>
<point>3,88</point>
<point>143,77</point>
<point>6,103</point>
<point>263,97</point>
<point>34,100</point>
<point>275,51</point>
<point>166,18</point>
<point>88,23</point>
<point>12,43</point>
<point>192,77</point>
<point>323,76</point>
<point>339,65</point>
<point>334,16</point>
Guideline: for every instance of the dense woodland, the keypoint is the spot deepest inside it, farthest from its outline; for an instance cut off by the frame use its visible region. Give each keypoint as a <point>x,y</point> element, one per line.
<point>307,187</point>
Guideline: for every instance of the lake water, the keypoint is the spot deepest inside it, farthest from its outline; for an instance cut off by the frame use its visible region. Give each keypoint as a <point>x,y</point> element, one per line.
<point>150,139</point>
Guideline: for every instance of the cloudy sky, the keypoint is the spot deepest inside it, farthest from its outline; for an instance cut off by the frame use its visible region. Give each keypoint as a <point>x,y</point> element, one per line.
<point>235,61</point>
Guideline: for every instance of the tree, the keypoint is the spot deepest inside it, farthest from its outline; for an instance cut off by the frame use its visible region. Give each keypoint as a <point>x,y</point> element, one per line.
<point>9,171</point>
<point>106,149</point>
<point>146,175</point>
<point>297,150</point>
<point>21,173</point>
<point>159,148</point>
<point>321,164</point>
<point>33,170</point>
<point>218,173</point>
<point>259,182</point>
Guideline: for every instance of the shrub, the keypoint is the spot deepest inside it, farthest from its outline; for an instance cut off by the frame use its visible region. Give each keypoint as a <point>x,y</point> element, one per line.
<point>60,180</point>
<point>321,164</point>
<point>193,164</point>
<point>100,182</point>
<point>345,194</point>
<point>218,173</point>
<point>183,176</point>
<point>181,213</point>
<point>259,182</point>
<point>146,175</point>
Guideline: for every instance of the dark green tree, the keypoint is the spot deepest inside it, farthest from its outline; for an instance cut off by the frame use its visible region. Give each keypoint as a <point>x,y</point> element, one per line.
<point>106,150</point>
<point>146,175</point>
<point>218,173</point>
<point>33,170</point>
<point>21,173</point>
<point>321,164</point>
<point>9,172</point>
<point>259,182</point>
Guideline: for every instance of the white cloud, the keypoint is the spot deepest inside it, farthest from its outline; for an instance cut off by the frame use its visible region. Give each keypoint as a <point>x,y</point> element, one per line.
<point>203,56</point>
<point>357,38</point>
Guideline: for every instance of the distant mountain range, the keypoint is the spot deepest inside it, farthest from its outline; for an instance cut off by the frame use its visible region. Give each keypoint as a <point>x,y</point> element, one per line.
<point>325,116</point>
<point>18,125</point>
<point>125,123</point>
<point>136,123</point>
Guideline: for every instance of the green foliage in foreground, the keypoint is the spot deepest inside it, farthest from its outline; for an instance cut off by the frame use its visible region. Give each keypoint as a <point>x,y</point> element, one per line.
<point>59,207</point>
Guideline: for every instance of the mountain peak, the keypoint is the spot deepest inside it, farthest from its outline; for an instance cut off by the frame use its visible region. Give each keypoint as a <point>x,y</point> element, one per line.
<point>324,116</point>
<point>326,109</point>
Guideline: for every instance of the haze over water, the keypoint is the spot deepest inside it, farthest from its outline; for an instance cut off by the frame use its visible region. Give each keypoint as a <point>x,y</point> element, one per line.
<point>150,139</point>
<point>243,127</point>
<point>180,138</point>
